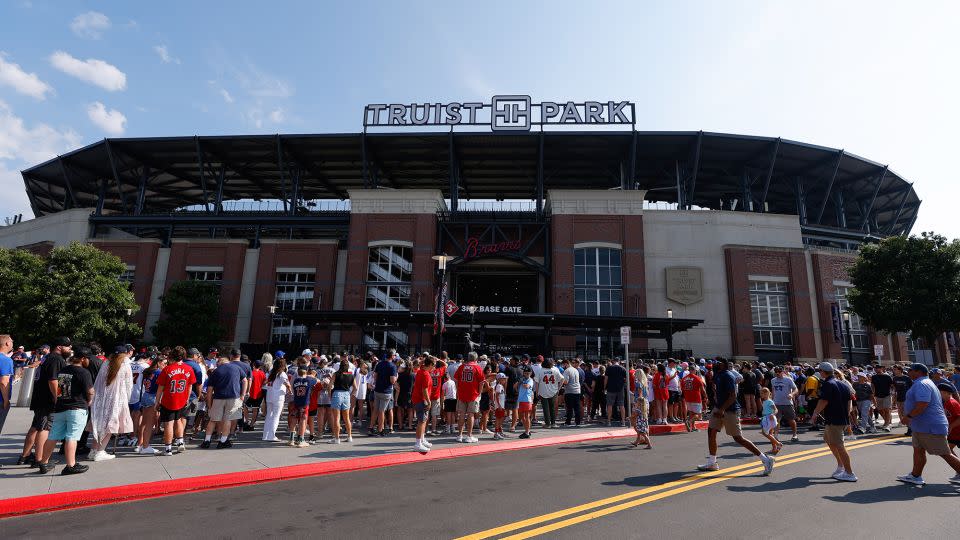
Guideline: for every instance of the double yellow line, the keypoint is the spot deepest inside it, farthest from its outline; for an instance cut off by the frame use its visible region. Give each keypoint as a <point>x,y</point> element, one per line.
<point>649,494</point>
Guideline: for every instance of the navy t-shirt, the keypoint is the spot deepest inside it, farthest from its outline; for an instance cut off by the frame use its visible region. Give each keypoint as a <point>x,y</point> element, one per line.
<point>302,386</point>
<point>726,385</point>
<point>385,370</point>
<point>616,378</point>
<point>226,381</point>
<point>244,368</point>
<point>836,413</point>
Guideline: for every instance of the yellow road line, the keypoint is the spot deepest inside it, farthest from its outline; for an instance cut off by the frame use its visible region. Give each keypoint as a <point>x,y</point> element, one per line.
<point>708,478</point>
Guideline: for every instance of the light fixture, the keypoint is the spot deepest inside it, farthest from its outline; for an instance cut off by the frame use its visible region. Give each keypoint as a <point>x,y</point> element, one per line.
<point>669,313</point>
<point>846,316</point>
<point>129,312</point>
<point>442,260</point>
<point>272,309</point>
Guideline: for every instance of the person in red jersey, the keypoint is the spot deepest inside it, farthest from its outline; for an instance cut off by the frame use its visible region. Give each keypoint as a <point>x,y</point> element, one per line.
<point>173,392</point>
<point>469,379</point>
<point>694,393</point>
<point>422,388</point>
<point>436,394</point>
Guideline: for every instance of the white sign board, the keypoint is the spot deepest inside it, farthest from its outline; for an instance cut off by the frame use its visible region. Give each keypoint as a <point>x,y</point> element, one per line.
<point>625,332</point>
<point>878,351</point>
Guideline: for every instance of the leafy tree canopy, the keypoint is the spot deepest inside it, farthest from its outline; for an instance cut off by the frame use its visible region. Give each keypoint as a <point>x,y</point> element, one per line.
<point>908,285</point>
<point>190,315</point>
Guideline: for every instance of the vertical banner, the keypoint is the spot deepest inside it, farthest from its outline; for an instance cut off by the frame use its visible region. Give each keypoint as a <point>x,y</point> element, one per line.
<point>837,327</point>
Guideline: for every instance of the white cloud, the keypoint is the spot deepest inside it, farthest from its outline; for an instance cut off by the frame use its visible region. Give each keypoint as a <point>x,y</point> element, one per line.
<point>131,25</point>
<point>90,25</point>
<point>26,83</point>
<point>277,116</point>
<point>22,147</point>
<point>91,70</point>
<point>226,95</point>
<point>112,121</point>
<point>165,54</point>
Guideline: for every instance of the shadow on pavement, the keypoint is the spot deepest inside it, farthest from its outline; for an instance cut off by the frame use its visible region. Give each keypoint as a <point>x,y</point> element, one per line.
<point>798,482</point>
<point>896,492</point>
<point>647,480</point>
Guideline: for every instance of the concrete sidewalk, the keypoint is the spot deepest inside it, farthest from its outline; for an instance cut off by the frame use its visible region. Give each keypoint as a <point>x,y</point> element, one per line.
<point>249,453</point>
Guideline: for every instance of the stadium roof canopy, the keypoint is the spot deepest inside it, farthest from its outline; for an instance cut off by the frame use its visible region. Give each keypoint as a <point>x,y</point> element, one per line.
<point>827,188</point>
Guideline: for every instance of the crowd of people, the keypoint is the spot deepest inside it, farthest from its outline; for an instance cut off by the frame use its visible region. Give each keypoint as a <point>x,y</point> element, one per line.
<point>86,399</point>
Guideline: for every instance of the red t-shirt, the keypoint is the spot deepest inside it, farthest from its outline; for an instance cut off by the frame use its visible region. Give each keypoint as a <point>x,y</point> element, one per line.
<point>691,386</point>
<point>176,381</point>
<point>436,383</point>
<point>660,390</point>
<point>256,385</point>
<point>469,379</point>
<point>952,410</point>
<point>423,381</point>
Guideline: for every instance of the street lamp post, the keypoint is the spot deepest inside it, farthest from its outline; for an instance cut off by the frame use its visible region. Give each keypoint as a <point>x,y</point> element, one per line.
<point>442,268</point>
<point>669,333</point>
<point>273,311</point>
<point>849,340</point>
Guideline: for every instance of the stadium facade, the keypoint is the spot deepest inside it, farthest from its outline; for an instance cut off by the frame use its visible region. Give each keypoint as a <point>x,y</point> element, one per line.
<point>563,222</point>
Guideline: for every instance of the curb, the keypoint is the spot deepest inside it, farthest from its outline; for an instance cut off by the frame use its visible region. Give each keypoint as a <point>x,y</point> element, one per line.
<point>68,500</point>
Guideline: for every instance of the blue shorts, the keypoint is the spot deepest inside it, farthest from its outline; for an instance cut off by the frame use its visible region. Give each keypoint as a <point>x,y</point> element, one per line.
<point>148,400</point>
<point>68,425</point>
<point>134,407</point>
<point>340,400</point>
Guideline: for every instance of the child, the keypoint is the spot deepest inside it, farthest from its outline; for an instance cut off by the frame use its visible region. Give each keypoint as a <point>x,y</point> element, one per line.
<point>499,404</point>
<point>768,424</point>
<point>525,401</point>
<point>302,386</point>
<point>450,402</point>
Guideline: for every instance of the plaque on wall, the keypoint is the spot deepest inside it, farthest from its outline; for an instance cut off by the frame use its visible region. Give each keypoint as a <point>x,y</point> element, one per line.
<point>685,284</point>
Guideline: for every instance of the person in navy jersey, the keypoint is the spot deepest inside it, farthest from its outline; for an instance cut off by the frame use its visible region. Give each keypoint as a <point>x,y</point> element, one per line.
<point>302,387</point>
<point>385,376</point>
<point>226,385</point>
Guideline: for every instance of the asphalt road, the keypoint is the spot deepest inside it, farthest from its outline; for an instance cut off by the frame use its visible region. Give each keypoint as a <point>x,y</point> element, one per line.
<point>602,489</point>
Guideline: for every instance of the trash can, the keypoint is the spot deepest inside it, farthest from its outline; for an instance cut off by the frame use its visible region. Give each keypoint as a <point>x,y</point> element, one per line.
<point>26,387</point>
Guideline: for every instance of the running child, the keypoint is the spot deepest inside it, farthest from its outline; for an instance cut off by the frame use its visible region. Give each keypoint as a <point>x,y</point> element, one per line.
<point>768,423</point>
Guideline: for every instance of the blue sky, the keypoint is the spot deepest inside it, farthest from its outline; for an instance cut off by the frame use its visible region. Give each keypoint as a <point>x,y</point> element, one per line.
<point>878,79</point>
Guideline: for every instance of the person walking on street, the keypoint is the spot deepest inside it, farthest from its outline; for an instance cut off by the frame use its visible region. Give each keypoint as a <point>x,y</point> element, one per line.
<point>835,404</point>
<point>726,415</point>
<point>865,401</point>
<point>882,384</point>
<point>927,419</point>
<point>784,392</point>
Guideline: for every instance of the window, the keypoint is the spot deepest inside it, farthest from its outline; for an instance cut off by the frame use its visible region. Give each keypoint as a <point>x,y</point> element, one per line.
<point>597,281</point>
<point>598,290</point>
<point>858,333</point>
<point>128,276</point>
<point>770,308</point>
<point>389,271</point>
<point>205,275</point>
<point>294,292</point>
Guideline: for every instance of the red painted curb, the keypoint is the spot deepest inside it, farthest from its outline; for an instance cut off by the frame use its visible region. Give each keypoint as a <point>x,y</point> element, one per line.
<point>67,500</point>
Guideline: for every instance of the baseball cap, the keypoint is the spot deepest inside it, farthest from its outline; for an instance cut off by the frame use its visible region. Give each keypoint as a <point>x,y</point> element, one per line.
<point>937,371</point>
<point>778,368</point>
<point>81,351</point>
<point>539,358</point>
<point>62,341</point>
<point>501,375</point>
<point>280,354</point>
<point>213,350</point>
<point>946,387</point>
<point>825,367</point>
<point>120,349</point>
<point>306,352</point>
<point>917,366</point>
<point>192,351</point>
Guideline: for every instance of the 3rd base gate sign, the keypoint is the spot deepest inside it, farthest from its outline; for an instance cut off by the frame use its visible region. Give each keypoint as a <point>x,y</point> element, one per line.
<point>450,308</point>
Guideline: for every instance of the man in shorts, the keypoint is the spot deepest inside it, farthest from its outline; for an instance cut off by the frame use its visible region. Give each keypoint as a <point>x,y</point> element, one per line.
<point>927,420</point>
<point>615,383</point>
<point>436,394</point>
<point>385,377</point>
<point>726,415</point>
<point>75,389</point>
<point>835,405</point>
<point>694,394</point>
<point>421,399</point>
<point>883,395</point>
<point>44,399</point>
<point>469,379</point>
<point>784,392</point>
<point>226,385</point>
<point>673,386</point>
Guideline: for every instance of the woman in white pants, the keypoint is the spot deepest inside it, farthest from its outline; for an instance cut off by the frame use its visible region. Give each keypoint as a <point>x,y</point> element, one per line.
<point>278,386</point>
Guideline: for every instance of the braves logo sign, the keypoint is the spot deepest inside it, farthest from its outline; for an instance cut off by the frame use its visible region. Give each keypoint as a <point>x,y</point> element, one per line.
<point>476,249</point>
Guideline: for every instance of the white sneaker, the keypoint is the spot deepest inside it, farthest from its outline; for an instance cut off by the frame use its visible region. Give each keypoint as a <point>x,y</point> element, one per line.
<point>426,443</point>
<point>847,477</point>
<point>350,439</point>
<point>837,472</point>
<point>768,464</point>
<point>420,448</point>
<point>471,439</point>
<point>102,456</point>
<point>709,467</point>
<point>149,450</point>
<point>461,438</point>
<point>497,436</point>
<point>911,479</point>
<point>335,441</point>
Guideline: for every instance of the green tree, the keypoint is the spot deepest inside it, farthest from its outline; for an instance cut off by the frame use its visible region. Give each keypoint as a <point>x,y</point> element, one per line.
<point>190,315</point>
<point>910,284</point>
<point>75,292</point>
